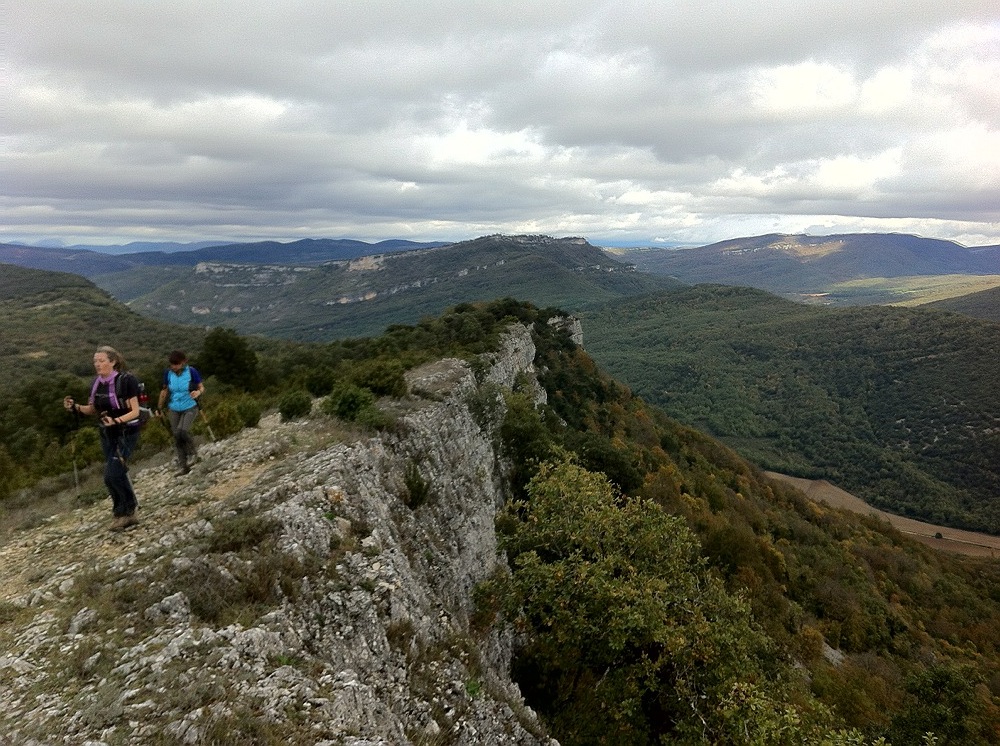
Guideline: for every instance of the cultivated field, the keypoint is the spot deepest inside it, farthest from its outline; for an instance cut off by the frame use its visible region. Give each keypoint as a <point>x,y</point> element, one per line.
<point>939,537</point>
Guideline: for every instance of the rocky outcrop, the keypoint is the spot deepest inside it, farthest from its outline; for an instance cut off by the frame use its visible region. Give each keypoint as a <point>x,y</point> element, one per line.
<point>301,584</point>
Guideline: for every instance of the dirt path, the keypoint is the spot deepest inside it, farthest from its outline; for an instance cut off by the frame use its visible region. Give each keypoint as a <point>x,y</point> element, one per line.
<point>971,543</point>
<point>81,535</point>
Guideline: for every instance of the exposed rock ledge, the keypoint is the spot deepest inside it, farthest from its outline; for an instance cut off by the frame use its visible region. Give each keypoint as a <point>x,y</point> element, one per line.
<point>101,637</point>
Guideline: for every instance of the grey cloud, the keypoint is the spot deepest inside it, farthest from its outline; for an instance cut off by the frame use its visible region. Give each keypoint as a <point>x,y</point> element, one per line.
<point>613,117</point>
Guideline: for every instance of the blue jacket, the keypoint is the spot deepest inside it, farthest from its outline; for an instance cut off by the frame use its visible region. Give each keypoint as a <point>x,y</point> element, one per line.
<point>180,385</point>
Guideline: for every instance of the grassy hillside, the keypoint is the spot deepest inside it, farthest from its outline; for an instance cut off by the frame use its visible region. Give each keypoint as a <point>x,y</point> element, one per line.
<point>899,406</point>
<point>53,321</point>
<point>364,296</point>
<point>984,304</point>
<point>909,290</point>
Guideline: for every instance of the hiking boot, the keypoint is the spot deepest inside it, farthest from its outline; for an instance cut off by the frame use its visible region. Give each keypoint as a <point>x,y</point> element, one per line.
<point>182,470</point>
<point>123,522</point>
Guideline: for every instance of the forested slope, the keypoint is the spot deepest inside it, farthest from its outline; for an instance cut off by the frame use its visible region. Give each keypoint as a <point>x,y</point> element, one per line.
<point>899,406</point>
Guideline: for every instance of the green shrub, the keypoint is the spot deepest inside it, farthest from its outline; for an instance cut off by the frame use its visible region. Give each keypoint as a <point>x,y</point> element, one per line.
<point>347,401</point>
<point>249,411</point>
<point>155,436</point>
<point>629,632</point>
<point>382,376</point>
<point>227,355</point>
<point>417,488</point>
<point>320,381</point>
<point>224,419</point>
<point>374,418</point>
<point>294,404</point>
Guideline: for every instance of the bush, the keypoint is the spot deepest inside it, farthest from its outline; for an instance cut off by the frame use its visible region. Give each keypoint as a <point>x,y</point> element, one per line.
<point>417,488</point>
<point>249,411</point>
<point>382,376</point>
<point>229,358</point>
<point>155,436</point>
<point>224,420</point>
<point>347,401</point>
<point>294,404</point>
<point>320,381</point>
<point>373,417</point>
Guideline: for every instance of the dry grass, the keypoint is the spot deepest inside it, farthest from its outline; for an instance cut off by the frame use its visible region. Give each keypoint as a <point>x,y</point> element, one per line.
<point>916,290</point>
<point>940,537</point>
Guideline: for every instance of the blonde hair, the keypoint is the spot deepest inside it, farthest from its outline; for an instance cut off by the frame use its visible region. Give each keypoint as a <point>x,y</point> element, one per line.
<point>113,355</point>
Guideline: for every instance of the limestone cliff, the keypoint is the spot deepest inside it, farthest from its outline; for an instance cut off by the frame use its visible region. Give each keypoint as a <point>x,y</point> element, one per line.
<point>303,585</point>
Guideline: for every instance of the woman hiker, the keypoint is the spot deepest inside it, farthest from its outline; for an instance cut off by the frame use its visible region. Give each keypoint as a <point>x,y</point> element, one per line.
<point>114,399</point>
<point>182,387</point>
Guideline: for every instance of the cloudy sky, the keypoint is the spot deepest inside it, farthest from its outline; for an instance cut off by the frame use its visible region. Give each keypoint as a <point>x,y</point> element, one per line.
<point>624,121</point>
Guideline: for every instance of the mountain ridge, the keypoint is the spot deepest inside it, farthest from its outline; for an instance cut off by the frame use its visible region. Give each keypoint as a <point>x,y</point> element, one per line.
<point>802,266</point>
<point>91,263</point>
<point>363,296</point>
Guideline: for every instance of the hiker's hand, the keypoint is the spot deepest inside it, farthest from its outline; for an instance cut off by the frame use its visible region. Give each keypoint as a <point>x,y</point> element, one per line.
<point>68,403</point>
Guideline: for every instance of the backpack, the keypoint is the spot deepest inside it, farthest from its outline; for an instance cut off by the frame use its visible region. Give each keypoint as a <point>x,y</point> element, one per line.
<point>145,411</point>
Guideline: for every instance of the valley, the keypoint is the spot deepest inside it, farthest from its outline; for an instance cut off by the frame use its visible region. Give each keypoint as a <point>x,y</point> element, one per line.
<point>898,406</point>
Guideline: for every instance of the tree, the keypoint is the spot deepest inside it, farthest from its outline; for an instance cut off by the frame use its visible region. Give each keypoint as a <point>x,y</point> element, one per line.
<point>631,639</point>
<point>945,700</point>
<point>229,358</point>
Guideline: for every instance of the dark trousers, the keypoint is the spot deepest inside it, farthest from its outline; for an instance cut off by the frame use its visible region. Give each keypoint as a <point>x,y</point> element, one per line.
<point>118,443</point>
<point>180,426</point>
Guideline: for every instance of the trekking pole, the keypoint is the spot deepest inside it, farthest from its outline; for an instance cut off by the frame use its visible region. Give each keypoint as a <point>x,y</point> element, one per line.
<point>76,474</point>
<point>202,413</point>
<point>72,449</point>
<point>163,418</point>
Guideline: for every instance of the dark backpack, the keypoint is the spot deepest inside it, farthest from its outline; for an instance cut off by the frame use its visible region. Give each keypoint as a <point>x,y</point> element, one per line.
<point>145,412</point>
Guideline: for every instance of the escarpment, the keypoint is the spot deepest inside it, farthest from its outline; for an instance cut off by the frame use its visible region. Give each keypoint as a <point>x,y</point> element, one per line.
<point>303,584</point>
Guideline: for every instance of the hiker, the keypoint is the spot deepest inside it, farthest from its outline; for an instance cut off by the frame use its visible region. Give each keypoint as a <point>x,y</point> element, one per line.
<point>181,389</point>
<point>114,400</point>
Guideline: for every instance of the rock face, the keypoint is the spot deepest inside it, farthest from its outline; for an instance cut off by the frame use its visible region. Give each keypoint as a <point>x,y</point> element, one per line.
<point>301,586</point>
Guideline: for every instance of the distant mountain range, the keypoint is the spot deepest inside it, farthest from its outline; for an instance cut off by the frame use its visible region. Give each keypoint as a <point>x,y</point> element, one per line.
<point>318,288</point>
<point>363,295</point>
<point>323,289</point>
<point>859,268</point>
<point>135,247</point>
<point>96,261</point>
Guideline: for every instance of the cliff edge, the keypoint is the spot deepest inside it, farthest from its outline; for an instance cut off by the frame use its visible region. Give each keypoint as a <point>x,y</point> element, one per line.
<point>304,585</point>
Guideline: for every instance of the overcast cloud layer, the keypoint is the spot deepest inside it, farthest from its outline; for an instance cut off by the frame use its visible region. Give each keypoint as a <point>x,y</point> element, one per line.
<point>627,121</point>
